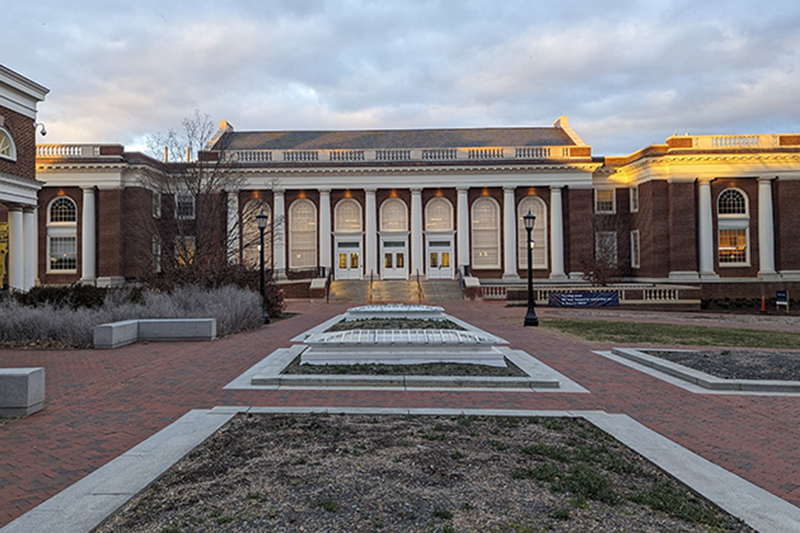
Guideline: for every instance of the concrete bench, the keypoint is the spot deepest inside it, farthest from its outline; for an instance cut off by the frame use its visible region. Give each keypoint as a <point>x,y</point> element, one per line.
<point>116,334</point>
<point>21,391</point>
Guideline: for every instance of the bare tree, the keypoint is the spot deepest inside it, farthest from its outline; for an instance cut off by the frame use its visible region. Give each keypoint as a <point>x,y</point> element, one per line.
<point>604,264</point>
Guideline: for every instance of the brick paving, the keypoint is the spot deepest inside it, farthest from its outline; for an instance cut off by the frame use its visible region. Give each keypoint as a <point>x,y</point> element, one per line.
<point>101,403</point>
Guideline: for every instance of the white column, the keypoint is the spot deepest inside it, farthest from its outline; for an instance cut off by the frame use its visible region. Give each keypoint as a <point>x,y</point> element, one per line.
<point>233,226</point>
<point>281,234</point>
<point>462,228</point>
<point>766,231</point>
<point>371,234</point>
<point>89,237</point>
<point>29,240</point>
<point>416,232</point>
<point>705,230</point>
<point>325,229</point>
<point>16,249</point>
<point>556,235</point>
<point>509,234</point>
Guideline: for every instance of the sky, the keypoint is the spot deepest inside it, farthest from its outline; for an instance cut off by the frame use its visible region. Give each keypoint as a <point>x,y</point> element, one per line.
<point>626,73</point>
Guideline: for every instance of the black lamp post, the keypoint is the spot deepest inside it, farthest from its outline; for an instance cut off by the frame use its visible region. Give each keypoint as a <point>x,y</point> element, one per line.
<point>530,317</point>
<point>261,219</point>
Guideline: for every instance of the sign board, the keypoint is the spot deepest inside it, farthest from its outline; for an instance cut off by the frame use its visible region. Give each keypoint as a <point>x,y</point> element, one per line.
<point>583,299</point>
<point>782,298</point>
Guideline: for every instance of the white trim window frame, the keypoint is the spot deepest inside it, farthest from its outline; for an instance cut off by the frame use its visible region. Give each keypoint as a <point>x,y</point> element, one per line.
<point>636,249</point>
<point>634,199</point>
<point>8,148</point>
<point>537,208</point>
<point>156,204</point>
<point>733,228</point>
<point>62,236</point>
<point>185,250</point>
<point>485,234</point>
<point>185,206</point>
<point>605,246</point>
<point>605,201</point>
<point>303,234</point>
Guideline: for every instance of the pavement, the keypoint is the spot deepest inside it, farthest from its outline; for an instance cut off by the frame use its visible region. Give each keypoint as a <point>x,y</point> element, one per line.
<point>101,404</point>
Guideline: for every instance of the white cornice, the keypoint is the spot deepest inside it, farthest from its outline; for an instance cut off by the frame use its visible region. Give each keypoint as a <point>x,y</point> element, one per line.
<point>20,94</point>
<point>18,190</point>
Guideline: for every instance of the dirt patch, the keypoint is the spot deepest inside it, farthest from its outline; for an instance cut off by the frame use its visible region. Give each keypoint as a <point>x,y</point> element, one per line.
<point>737,364</point>
<point>403,474</point>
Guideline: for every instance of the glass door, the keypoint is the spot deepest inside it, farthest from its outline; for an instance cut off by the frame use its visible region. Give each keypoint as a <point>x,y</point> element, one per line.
<point>440,265</point>
<point>394,260</point>
<point>348,260</point>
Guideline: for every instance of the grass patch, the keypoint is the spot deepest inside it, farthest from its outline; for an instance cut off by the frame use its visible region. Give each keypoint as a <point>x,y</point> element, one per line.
<point>672,334</point>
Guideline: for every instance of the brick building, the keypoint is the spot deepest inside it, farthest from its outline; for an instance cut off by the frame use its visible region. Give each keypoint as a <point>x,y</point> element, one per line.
<point>19,97</point>
<point>709,211</point>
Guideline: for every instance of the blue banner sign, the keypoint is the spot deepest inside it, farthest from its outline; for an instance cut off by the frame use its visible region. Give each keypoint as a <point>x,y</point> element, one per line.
<point>782,297</point>
<point>583,299</point>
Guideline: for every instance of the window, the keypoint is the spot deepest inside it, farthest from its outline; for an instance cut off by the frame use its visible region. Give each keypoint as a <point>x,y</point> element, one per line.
<point>635,249</point>
<point>156,254</point>
<point>63,253</point>
<point>733,223</point>
<point>252,236</point>
<point>348,216</point>
<point>62,236</point>
<point>184,250</point>
<point>156,204</point>
<point>184,206</point>
<point>605,247</point>
<point>439,215</point>
<point>8,149</point>
<point>485,234</point>
<point>604,201</point>
<point>634,192</point>
<point>302,235</point>
<point>538,235</point>
<point>394,216</point>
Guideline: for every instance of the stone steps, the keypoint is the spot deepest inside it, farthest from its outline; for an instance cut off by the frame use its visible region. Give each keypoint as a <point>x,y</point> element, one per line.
<point>398,291</point>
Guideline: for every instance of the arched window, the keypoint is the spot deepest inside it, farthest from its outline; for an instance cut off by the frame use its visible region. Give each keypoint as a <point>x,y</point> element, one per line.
<point>251,236</point>
<point>302,235</point>
<point>439,215</point>
<point>62,236</point>
<point>8,150</point>
<point>394,216</point>
<point>733,221</point>
<point>485,234</point>
<point>536,207</point>
<point>348,217</point>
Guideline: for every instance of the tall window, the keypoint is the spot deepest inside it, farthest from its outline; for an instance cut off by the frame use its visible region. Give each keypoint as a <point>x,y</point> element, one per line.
<point>348,216</point>
<point>538,235</point>
<point>733,221</point>
<point>634,203</point>
<point>62,235</point>
<point>302,235</point>
<point>439,215</point>
<point>604,201</point>
<point>156,204</point>
<point>184,250</point>
<point>252,236</point>
<point>605,247</point>
<point>184,206</point>
<point>394,216</point>
<point>8,149</point>
<point>485,234</point>
<point>635,249</point>
<point>156,253</point>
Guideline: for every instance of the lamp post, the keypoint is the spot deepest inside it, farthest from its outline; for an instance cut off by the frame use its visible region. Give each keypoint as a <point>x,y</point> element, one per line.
<point>261,219</point>
<point>530,317</point>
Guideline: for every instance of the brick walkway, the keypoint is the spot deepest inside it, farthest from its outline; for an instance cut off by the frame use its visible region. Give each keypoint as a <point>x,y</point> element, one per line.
<point>101,403</point>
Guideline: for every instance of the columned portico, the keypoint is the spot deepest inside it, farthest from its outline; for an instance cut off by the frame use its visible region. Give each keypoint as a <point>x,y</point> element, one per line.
<point>29,240</point>
<point>416,232</point>
<point>325,229</point>
<point>705,230</point>
<point>556,235</point>
<point>16,249</point>
<point>279,244</point>
<point>462,229</point>
<point>766,231</point>
<point>89,237</point>
<point>509,235</point>
<point>233,226</point>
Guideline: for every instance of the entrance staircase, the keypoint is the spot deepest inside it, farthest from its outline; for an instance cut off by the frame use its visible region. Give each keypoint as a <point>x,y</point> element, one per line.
<point>394,291</point>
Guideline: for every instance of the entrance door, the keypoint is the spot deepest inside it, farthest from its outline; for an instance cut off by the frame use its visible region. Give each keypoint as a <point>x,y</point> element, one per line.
<point>440,265</point>
<point>348,260</point>
<point>394,260</point>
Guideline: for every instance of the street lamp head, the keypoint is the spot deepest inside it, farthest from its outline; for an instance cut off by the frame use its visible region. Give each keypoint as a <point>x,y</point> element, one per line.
<point>529,220</point>
<point>261,219</point>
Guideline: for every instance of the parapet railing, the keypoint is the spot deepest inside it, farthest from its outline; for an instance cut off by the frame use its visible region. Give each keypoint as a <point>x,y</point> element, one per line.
<point>628,293</point>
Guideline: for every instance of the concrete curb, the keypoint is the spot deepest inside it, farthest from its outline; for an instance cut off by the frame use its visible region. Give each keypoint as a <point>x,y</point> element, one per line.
<point>85,504</point>
<point>704,380</point>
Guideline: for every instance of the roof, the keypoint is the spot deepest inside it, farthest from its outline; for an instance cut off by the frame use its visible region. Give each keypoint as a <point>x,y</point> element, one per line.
<point>394,139</point>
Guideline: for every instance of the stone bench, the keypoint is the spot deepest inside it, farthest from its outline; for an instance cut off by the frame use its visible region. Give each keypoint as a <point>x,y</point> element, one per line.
<point>21,391</point>
<point>116,334</point>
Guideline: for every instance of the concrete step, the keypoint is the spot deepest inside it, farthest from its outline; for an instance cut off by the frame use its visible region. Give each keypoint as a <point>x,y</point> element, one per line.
<point>395,291</point>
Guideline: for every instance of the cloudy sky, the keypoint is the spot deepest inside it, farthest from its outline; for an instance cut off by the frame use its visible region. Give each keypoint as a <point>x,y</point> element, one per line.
<point>627,73</point>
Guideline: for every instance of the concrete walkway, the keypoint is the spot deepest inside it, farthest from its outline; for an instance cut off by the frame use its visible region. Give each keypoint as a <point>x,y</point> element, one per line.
<point>102,403</point>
